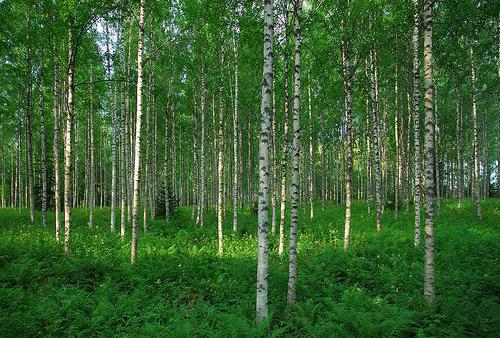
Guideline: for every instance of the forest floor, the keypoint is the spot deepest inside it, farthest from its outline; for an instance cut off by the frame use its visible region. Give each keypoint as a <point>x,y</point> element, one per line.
<point>180,287</point>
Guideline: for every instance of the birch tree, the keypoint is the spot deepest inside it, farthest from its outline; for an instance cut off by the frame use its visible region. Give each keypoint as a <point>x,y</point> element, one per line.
<point>429,292</point>
<point>294,189</point>
<point>263,202</point>
<point>137,150</point>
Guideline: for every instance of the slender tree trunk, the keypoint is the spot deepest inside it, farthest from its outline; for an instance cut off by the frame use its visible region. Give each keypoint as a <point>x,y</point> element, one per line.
<point>202,150</point>
<point>399,168</point>
<point>486,171</point>
<point>91,186</point>
<point>416,118</point>
<point>311,154</point>
<point>437,173</point>
<point>263,246</point>
<point>137,151</point>
<point>56,146</point>
<point>146,164</point>
<point>43,149</point>
<point>165,164</point>
<point>235,138</point>
<point>475,181</point>
<point>274,184</point>
<point>460,166</point>
<point>294,189</point>
<point>284,151</point>
<point>67,145</point>
<point>29,140</point>
<point>220,167</point>
<point>429,292</point>
<point>195,159</point>
<point>376,148</point>
<point>114,133</point>
<point>347,73</point>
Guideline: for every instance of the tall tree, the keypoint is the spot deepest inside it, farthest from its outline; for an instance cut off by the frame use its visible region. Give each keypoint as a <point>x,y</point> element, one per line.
<point>67,140</point>
<point>347,75</point>
<point>137,150</point>
<point>29,140</point>
<point>294,189</point>
<point>56,146</point>
<point>43,146</point>
<point>429,291</point>
<point>263,202</point>
<point>416,117</point>
<point>475,151</point>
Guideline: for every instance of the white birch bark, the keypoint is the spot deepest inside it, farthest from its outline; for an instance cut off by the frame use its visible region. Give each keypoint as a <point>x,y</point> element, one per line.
<point>263,202</point>
<point>137,150</point>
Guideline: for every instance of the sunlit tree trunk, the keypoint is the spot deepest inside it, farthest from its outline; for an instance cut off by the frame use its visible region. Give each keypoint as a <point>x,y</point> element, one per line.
<point>263,202</point>
<point>429,291</point>
<point>294,189</point>
<point>220,164</point>
<point>347,74</point>
<point>475,181</point>
<point>67,145</point>
<point>137,151</point>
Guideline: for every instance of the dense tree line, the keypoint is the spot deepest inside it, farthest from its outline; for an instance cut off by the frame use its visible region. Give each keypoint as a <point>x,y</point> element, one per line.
<point>145,106</point>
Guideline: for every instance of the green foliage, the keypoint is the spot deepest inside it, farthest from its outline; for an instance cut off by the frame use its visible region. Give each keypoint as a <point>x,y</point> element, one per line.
<point>179,287</point>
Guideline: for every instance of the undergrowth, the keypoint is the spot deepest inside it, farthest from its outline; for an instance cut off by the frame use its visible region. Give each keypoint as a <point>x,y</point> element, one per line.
<point>180,287</point>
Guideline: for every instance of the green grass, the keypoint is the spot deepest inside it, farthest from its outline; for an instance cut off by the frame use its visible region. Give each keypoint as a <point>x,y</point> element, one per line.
<point>180,288</point>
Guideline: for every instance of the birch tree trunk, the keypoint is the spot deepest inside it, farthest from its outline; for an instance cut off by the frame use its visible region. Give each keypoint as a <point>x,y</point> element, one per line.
<point>220,166</point>
<point>416,118</point>
<point>195,159</point>
<point>311,153</point>
<point>146,164</point>
<point>56,146</point>
<point>137,150</point>
<point>114,133</point>
<point>235,138</point>
<point>294,189</point>
<point>347,73</point>
<point>67,145</point>
<point>284,151</point>
<point>43,148</point>
<point>202,150</point>
<point>165,159</point>
<point>274,184</point>
<point>91,187</point>
<point>475,181</point>
<point>486,171</point>
<point>29,139</point>
<point>376,149</point>
<point>429,292</point>
<point>460,166</point>
<point>399,168</point>
<point>263,246</point>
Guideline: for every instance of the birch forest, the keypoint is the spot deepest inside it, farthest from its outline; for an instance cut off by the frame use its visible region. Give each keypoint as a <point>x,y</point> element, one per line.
<point>236,168</point>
